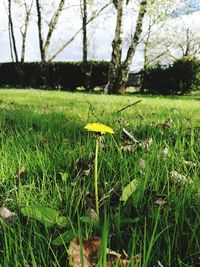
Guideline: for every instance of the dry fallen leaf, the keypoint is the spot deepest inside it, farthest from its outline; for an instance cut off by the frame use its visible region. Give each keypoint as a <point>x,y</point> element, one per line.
<point>142,164</point>
<point>121,260</point>
<point>165,152</point>
<point>91,157</point>
<point>90,198</point>
<point>6,213</point>
<point>83,168</point>
<point>180,177</point>
<point>113,253</point>
<point>190,163</point>
<point>168,123</point>
<point>92,214</point>
<point>127,149</point>
<point>137,258</point>
<point>146,143</point>
<point>20,172</point>
<point>85,252</point>
<point>160,201</point>
<point>86,172</point>
<point>118,262</point>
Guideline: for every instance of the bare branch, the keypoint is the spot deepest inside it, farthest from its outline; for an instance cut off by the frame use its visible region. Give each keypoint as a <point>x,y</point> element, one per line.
<point>78,31</point>
<point>52,26</point>
<point>39,23</point>
<point>11,32</point>
<point>24,33</point>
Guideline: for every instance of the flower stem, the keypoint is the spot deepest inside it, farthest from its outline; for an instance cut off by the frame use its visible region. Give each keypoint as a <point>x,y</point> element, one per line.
<point>96,176</point>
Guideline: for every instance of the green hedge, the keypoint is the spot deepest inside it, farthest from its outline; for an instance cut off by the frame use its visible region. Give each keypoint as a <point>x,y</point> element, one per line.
<point>179,78</point>
<point>54,75</point>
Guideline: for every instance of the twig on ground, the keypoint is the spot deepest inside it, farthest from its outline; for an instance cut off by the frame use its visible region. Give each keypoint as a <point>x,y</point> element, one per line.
<point>129,106</point>
<point>129,136</point>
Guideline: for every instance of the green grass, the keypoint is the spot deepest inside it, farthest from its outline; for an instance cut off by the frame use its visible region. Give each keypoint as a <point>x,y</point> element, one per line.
<point>43,131</point>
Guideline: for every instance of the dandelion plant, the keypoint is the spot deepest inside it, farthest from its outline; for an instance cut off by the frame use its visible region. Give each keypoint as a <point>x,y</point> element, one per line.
<point>99,129</point>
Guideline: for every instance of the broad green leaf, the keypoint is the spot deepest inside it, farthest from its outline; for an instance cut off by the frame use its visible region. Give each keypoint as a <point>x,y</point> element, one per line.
<point>62,221</point>
<point>129,190</point>
<point>45,215</point>
<point>64,238</point>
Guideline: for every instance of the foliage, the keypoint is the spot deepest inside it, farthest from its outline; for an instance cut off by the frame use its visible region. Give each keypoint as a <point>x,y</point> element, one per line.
<point>162,9</point>
<point>129,190</point>
<point>54,75</point>
<point>180,77</point>
<point>45,215</point>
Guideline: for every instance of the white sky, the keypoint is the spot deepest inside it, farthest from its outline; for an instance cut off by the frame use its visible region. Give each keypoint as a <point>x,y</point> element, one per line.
<point>101,33</point>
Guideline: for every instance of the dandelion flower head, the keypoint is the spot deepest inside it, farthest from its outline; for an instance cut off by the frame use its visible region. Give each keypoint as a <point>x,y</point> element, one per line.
<point>99,128</point>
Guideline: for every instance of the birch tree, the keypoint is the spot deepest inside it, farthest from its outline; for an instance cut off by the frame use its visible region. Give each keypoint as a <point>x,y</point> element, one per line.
<point>45,42</point>
<point>12,40</point>
<point>115,63</point>
<point>159,12</point>
<point>18,24</point>
<point>84,17</point>
<point>119,70</point>
<point>189,42</point>
<point>24,28</point>
<point>174,42</point>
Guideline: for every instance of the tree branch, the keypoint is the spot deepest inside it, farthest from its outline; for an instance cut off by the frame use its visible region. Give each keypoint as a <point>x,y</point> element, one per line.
<point>52,26</point>
<point>78,31</point>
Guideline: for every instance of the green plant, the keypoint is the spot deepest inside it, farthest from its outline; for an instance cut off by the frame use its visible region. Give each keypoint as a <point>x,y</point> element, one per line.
<point>100,129</point>
<point>181,77</point>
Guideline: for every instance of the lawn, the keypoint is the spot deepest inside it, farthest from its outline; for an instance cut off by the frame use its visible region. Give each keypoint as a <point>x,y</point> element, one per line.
<point>47,161</point>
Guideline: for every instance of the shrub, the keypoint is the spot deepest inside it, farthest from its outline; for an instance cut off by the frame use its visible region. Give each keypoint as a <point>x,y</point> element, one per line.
<point>54,75</point>
<point>179,78</point>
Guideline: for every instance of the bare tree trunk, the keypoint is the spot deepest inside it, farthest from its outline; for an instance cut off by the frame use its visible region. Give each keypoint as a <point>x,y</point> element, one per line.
<point>146,42</point>
<point>11,30</point>
<point>10,43</point>
<point>84,27</point>
<point>39,23</point>
<point>44,44</point>
<point>24,33</point>
<point>131,51</point>
<point>187,49</point>
<point>121,79</point>
<point>85,67</point>
<point>116,49</point>
<point>52,26</point>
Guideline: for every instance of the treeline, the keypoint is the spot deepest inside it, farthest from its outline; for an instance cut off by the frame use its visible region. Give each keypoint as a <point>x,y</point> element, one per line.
<point>54,75</point>
<point>49,20</point>
<point>181,77</point>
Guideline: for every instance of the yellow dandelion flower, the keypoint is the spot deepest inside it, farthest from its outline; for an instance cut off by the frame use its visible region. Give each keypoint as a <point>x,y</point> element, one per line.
<point>99,128</point>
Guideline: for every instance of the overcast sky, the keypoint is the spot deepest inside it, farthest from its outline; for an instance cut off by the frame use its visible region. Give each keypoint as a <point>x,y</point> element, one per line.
<point>101,33</point>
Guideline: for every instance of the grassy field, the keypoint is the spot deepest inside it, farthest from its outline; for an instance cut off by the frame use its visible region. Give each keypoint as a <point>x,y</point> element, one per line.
<point>46,160</point>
